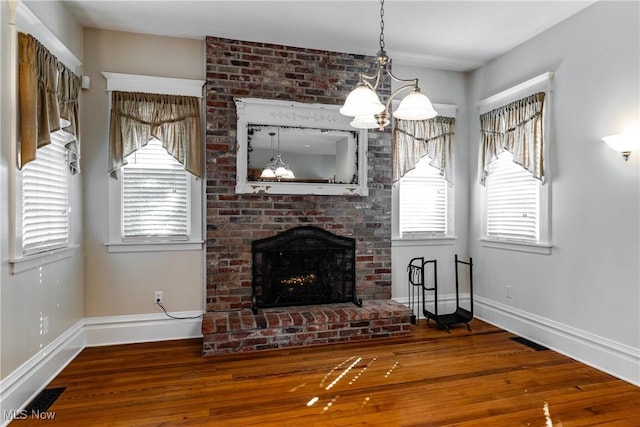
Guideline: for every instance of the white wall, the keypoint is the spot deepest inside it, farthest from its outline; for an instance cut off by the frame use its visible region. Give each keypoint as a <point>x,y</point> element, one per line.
<point>584,298</point>
<point>54,290</point>
<point>442,87</point>
<point>119,284</point>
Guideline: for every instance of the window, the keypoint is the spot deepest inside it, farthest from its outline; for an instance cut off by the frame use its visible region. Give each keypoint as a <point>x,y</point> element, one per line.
<point>513,169</point>
<point>45,200</point>
<point>424,202</point>
<point>155,198</point>
<point>422,170</point>
<point>155,194</point>
<point>513,201</point>
<point>47,151</point>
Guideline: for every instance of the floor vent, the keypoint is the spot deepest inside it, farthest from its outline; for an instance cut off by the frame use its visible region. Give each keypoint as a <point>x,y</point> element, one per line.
<point>44,400</point>
<point>531,344</point>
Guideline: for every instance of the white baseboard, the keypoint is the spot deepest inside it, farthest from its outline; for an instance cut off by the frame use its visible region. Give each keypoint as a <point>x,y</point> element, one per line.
<point>24,384</point>
<point>99,331</point>
<point>620,360</point>
<point>447,303</point>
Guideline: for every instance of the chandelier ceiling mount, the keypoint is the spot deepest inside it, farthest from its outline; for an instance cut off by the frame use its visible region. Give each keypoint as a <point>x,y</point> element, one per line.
<point>363,103</point>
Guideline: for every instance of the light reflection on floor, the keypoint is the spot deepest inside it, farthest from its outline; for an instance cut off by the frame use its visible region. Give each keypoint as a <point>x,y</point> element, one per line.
<point>333,380</point>
<point>547,415</point>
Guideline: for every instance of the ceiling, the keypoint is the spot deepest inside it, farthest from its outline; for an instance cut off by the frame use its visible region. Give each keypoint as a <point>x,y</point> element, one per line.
<point>452,35</point>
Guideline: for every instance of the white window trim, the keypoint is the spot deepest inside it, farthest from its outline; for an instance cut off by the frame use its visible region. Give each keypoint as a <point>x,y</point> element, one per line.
<point>122,247</point>
<point>413,241</point>
<point>23,19</point>
<point>425,239</point>
<point>28,262</point>
<point>541,83</point>
<point>118,244</point>
<point>512,245</point>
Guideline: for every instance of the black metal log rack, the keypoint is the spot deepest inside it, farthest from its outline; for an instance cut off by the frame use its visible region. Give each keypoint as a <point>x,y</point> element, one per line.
<point>420,289</point>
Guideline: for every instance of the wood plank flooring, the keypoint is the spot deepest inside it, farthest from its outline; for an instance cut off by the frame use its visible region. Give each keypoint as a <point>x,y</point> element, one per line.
<point>478,378</point>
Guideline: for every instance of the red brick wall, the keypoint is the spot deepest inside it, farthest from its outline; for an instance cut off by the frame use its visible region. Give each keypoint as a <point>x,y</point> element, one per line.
<point>238,69</point>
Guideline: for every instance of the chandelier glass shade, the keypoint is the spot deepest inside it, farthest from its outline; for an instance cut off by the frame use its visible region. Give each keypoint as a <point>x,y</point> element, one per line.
<point>415,106</point>
<point>277,168</point>
<point>367,122</point>
<point>363,103</point>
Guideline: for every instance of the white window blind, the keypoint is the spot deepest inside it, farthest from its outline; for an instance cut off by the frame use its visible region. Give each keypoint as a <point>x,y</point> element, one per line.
<point>45,199</point>
<point>423,201</point>
<point>513,200</point>
<point>155,194</point>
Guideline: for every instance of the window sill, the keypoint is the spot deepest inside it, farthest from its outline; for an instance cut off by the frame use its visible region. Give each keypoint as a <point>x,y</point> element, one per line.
<point>121,247</point>
<point>29,262</point>
<point>534,248</point>
<point>402,242</point>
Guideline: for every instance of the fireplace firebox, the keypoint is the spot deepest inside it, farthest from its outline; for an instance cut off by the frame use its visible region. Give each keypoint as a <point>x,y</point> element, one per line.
<point>303,266</point>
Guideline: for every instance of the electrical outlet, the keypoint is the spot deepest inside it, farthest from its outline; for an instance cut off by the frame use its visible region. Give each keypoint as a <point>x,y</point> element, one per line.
<point>508,292</point>
<point>157,297</point>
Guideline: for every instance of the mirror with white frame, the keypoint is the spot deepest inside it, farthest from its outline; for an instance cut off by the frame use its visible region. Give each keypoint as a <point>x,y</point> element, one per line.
<point>287,147</point>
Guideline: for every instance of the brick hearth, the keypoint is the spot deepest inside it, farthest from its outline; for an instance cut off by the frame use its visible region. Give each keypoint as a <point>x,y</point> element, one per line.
<point>242,331</point>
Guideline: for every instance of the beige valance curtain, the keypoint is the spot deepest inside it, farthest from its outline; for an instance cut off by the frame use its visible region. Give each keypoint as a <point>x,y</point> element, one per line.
<point>48,102</point>
<point>413,139</point>
<point>175,120</point>
<point>516,127</point>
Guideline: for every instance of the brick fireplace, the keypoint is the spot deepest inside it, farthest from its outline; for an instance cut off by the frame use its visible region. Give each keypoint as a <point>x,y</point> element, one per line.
<point>250,69</point>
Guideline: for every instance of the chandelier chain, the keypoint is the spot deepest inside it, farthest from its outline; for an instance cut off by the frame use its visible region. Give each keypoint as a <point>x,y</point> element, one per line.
<point>381,25</point>
<point>363,102</point>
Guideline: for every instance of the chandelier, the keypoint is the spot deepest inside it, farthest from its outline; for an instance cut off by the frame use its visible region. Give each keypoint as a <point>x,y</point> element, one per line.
<point>277,168</point>
<point>363,103</point>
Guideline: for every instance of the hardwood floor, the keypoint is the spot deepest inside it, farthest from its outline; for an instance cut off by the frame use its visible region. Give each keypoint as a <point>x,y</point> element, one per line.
<point>432,378</point>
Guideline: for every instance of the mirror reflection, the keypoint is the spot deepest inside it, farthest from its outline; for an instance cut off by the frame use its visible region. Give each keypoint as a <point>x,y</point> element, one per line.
<point>301,154</point>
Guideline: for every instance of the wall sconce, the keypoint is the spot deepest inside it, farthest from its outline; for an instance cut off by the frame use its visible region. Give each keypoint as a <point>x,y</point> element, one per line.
<point>625,143</point>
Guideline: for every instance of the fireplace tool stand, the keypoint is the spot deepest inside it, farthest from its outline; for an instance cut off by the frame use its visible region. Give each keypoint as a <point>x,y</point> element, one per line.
<point>419,289</point>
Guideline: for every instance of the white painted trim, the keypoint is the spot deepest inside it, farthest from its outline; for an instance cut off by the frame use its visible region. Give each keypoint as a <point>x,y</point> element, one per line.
<point>153,84</point>
<point>23,385</point>
<point>164,246</point>
<point>445,110</point>
<point>290,113</point>
<point>28,22</point>
<point>617,359</point>
<point>541,83</point>
<point>100,331</point>
<point>405,242</point>
<point>424,239</point>
<point>447,303</point>
<point>512,245</point>
<point>28,262</point>
<point>196,190</point>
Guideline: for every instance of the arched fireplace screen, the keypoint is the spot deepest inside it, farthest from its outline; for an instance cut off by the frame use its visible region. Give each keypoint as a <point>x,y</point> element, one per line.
<point>303,266</point>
